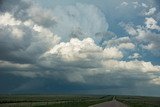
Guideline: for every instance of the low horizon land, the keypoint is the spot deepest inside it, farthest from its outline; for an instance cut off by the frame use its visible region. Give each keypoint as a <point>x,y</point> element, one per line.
<point>72,100</point>
<point>76,94</point>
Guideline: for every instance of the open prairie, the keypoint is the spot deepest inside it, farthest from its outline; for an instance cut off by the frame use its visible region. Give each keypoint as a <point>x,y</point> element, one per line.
<point>77,101</point>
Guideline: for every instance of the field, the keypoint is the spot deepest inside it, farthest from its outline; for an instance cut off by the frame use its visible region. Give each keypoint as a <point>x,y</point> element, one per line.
<point>73,100</point>
<point>50,100</point>
<point>140,101</point>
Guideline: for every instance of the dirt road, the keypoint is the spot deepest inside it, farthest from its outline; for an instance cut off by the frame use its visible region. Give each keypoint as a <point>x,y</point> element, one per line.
<point>113,103</point>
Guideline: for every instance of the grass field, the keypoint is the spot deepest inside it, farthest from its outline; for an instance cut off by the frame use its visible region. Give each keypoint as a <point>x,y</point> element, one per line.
<point>73,100</point>
<point>51,100</point>
<point>140,101</point>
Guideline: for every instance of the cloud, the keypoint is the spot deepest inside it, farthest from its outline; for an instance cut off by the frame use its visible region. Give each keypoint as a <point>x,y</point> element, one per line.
<point>7,19</point>
<point>120,43</point>
<point>126,46</point>
<point>80,21</point>
<point>113,52</point>
<point>21,39</point>
<point>124,3</point>
<point>135,56</point>
<point>26,34</point>
<point>129,28</point>
<point>151,11</point>
<point>75,49</point>
<point>86,49</point>
<point>149,40</point>
<point>136,4</point>
<point>77,58</point>
<point>63,46</point>
<point>156,81</point>
<point>130,66</point>
<point>42,16</point>
<point>83,59</point>
<point>28,74</point>
<point>151,24</point>
<point>144,5</point>
<point>144,35</point>
<point>7,64</point>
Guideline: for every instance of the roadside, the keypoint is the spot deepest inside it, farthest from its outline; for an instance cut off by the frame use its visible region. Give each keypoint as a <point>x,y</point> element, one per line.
<point>113,103</point>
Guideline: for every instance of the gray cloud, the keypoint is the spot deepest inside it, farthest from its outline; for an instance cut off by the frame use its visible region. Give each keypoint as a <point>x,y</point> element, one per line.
<point>61,46</point>
<point>22,40</point>
<point>120,43</point>
<point>80,21</point>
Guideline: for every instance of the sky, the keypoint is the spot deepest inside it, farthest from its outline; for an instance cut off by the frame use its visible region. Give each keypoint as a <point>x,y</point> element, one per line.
<point>80,47</point>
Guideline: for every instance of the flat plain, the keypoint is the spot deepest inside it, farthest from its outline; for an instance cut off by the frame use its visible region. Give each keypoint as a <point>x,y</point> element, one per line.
<point>77,101</point>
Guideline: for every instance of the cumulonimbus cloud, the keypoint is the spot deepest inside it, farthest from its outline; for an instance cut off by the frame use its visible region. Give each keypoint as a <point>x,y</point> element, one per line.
<point>65,44</point>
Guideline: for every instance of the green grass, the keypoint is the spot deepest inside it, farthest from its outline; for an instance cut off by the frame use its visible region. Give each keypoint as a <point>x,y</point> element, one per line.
<point>80,102</point>
<point>135,101</point>
<point>73,104</point>
<point>51,100</point>
<point>73,100</point>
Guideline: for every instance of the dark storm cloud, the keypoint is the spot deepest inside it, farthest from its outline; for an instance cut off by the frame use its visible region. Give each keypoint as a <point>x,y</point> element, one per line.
<point>19,42</point>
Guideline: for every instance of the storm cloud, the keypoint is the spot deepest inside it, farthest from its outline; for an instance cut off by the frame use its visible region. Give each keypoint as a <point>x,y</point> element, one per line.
<point>72,46</point>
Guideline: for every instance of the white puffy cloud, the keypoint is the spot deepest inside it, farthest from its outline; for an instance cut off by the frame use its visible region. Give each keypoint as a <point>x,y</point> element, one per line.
<point>113,52</point>
<point>144,36</point>
<point>85,49</point>
<point>155,81</point>
<point>120,43</point>
<point>131,30</point>
<point>8,19</point>
<point>130,66</point>
<point>75,49</point>
<point>150,46</point>
<point>149,40</point>
<point>135,56</point>
<point>151,11</point>
<point>83,59</point>
<point>46,33</point>
<point>152,24</point>
<point>126,46</point>
<point>78,59</point>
